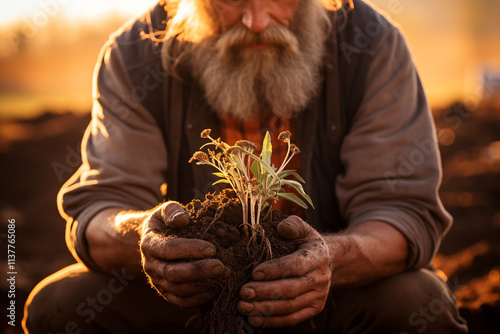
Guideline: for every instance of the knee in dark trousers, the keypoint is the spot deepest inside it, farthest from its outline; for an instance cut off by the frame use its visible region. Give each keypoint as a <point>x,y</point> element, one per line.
<point>76,300</point>
<point>411,302</point>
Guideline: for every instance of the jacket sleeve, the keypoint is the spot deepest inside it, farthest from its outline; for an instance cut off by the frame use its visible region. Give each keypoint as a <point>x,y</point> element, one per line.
<point>391,159</point>
<point>123,153</point>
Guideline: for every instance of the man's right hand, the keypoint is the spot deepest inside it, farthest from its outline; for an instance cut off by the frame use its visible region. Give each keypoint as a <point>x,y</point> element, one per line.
<point>182,270</point>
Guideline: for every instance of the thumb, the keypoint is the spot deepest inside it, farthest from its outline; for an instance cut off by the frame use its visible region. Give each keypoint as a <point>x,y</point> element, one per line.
<point>174,215</point>
<point>293,227</point>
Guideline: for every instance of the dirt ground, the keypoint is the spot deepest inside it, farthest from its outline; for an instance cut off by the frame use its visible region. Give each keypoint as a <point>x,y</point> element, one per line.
<point>38,155</point>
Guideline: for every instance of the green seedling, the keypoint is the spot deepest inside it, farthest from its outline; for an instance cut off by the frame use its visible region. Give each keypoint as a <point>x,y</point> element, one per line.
<point>255,180</point>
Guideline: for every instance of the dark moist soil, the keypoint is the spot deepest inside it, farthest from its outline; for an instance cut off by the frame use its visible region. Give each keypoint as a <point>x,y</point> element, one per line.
<point>218,219</point>
<point>40,246</point>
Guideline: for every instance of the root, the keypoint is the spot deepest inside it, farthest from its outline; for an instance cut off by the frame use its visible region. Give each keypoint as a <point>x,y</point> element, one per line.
<point>217,215</point>
<point>268,214</point>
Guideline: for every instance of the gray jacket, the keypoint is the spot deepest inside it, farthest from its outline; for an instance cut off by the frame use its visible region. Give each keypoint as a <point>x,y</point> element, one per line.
<point>368,142</point>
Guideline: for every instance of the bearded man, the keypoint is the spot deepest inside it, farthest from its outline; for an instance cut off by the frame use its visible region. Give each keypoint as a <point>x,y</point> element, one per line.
<point>340,77</point>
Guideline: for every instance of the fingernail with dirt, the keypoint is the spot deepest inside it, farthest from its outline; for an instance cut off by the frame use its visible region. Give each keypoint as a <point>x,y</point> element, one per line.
<point>247,293</point>
<point>287,230</point>
<point>217,269</point>
<point>178,220</point>
<point>246,307</point>
<point>209,251</point>
<point>258,276</point>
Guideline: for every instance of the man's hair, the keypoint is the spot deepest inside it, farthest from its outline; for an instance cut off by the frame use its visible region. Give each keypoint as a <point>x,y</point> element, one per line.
<point>191,21</point>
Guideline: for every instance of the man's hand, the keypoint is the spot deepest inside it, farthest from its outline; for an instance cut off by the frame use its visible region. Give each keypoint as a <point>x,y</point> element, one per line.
<point>291,289</point>
<point>181,270</point>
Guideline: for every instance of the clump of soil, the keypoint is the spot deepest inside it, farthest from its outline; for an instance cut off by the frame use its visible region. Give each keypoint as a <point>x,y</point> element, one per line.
<point>218,219</point>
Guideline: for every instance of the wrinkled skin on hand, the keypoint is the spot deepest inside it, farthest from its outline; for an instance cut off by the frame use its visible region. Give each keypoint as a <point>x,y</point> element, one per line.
<point>178,268</point>
<point>291,289</point>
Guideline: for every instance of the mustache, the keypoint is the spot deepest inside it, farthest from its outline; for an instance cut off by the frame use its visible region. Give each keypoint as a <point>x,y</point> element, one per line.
<point>278,36</point>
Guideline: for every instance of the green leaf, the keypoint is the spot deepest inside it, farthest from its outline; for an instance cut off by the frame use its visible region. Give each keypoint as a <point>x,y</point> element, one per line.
<point>295,185</point>
<point>221,181</point>
<point>293,198</point>
<point>266,167</point>
<point>309,200</point>
<point>267,149</point>
<point>255,168</point>
<point>285,173</point>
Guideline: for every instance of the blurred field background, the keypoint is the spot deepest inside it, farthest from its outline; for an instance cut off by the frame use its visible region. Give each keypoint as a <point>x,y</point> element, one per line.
<point>48,49</point>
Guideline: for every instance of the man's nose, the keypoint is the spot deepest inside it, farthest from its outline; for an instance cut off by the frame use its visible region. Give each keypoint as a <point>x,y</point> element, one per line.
<point>256,16</point>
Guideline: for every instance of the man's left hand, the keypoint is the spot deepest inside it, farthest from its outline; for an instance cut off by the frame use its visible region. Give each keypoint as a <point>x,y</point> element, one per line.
<point>291,289</point>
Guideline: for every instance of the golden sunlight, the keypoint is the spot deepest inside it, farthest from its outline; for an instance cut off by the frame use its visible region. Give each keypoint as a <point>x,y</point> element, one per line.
<point>48,51</point>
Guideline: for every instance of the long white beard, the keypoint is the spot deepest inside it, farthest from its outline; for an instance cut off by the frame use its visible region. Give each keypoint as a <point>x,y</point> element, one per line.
<point>281,78</point>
